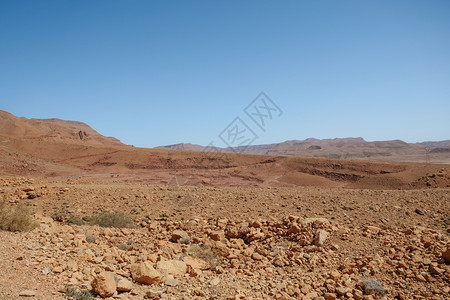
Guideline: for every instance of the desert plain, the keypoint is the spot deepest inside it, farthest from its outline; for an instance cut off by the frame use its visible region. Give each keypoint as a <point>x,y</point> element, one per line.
<point>108,220</point>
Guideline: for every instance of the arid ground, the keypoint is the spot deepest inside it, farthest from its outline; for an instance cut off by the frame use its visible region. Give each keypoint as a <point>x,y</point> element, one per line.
<point>196,225</point>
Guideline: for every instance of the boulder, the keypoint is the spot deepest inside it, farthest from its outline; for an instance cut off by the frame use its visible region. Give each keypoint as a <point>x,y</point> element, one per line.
<point>172,267</point>
<point>196,263</point>
<point>144,273</point>
<point>104,284</point>
<point>180,236</point>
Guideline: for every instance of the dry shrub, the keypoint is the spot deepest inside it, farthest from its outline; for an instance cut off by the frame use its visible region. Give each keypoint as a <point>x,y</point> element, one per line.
<point>105,219</point>
<point>75,294</point>
<point>112,219</point>
<point>16,218</point>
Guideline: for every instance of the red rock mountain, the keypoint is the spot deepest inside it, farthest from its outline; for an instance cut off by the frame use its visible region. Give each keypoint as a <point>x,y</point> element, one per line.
<point>54,130</point>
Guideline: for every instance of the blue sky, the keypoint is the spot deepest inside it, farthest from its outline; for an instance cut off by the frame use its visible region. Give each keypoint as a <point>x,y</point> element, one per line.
<point>162,72</point>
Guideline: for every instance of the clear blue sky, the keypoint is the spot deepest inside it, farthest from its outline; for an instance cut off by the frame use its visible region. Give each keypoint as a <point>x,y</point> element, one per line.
<point>162,72</point>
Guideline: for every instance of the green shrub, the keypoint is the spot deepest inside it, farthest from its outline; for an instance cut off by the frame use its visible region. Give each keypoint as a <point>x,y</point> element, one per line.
<point>16,218</point>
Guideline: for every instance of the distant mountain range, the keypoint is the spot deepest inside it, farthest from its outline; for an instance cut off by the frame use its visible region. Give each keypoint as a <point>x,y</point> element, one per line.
<point>40,138</point>
<point>341,148</point>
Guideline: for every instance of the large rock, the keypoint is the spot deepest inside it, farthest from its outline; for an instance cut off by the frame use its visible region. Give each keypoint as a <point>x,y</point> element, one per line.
<point>172,267</point>
<point>180,236</point>
<point>123,284</point>
<point>144,273</point>
<point>196,263</point>
<point>104,284</point>
<point>217,235</point>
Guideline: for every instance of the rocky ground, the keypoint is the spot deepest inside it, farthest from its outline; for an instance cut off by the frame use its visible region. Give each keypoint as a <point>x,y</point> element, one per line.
<point>226,242</point>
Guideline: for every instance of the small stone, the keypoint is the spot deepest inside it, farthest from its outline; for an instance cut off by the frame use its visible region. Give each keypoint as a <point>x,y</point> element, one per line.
<point>446,255</point>
<point>28,189</point>
<point>108,232</point>
<point>104,284</point>
<point>426,241</point>
<point>215,281</point>
<point>373,229</point>
<point>257,256</point>
<point>320,238</point>
<point>256,224</point>
<point>123,284</point>
<point>180,236</point>
<point>153,294</point>
<point>335,275</point>
<point>329,296</point>
<point>27,293</point>
<point>294,229</point>
<point>342,290</point>
<point>357,294</point>
<point>217,235</point>
<point>419,211</point>
<point>421,278</point>
<point>317,222</point>
<point>72,266</point>
<point>171,282</point>
<point>312,295</point>
<point>46,271</point>
<point>436,270</point>
<point>32,195</point>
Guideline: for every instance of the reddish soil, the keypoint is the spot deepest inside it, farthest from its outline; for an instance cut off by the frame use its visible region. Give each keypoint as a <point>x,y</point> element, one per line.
<point>247,219</point>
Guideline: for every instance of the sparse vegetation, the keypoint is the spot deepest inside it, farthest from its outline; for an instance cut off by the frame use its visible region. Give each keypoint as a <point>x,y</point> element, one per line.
<point>15,218</point>
<point>90,238</point>
<point>76,220</point>
<point>112,219</point>
<point>75,294</point>
<point>105,219</point>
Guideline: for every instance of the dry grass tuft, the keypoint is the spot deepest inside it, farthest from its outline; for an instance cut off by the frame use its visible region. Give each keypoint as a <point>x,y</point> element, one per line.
<point>15,218</point>
<point>75,294</point>
<point>112,219</point>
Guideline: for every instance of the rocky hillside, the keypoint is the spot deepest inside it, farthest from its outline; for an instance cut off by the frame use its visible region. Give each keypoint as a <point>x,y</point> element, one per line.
<point>51,130</point>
